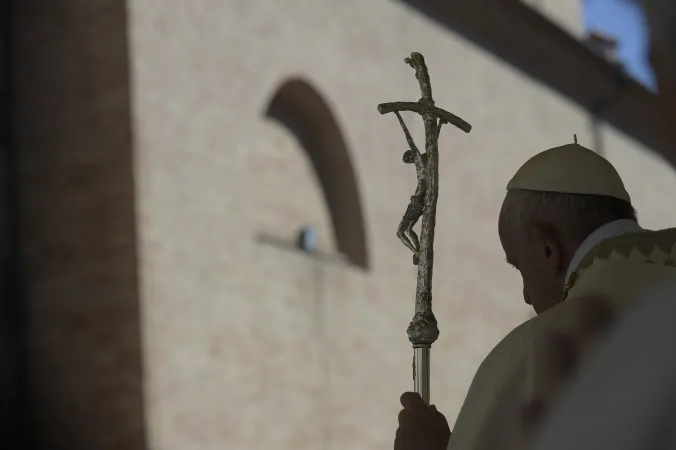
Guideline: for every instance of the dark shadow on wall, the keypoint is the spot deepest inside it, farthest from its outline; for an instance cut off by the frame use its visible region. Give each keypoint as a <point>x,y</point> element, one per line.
<point>78,247</point>
<point>14,433</point>
<point>528,41</point>
<point>302,110</point>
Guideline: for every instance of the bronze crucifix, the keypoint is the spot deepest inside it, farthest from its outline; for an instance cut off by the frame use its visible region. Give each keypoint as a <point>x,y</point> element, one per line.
<point>422,331</point>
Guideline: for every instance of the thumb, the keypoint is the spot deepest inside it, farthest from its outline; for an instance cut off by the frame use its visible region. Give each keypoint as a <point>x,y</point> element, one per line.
<point>413,403</point>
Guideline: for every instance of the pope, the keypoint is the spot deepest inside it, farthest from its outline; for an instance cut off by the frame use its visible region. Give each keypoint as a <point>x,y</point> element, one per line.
<point>568,226</point>
<point>622,395</point>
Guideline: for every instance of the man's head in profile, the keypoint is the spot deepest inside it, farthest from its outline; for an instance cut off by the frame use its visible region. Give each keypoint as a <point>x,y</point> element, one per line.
<point>559,204</point>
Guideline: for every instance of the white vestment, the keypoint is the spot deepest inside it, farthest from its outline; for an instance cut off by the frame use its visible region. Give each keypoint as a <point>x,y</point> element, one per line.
<point>624,396</point>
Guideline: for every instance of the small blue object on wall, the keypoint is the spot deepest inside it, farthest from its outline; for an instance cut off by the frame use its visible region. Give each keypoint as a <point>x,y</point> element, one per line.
<point>308,239</point>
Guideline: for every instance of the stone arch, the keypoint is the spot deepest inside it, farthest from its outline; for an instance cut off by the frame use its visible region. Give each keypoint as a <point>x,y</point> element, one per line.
<point>300,108</point>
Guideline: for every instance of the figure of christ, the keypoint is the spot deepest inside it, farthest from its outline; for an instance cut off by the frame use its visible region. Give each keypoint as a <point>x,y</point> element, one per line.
<point>416,206</point>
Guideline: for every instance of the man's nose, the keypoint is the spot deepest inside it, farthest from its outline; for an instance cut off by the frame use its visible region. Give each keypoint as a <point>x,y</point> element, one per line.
<point>526,297</point>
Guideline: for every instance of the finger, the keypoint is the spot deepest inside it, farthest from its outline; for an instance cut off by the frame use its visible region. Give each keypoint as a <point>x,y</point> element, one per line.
<point>404,418</point>
<point>406,434</point>
<point>400,441</point>
<point>413,403</point>
<point>403,440</point>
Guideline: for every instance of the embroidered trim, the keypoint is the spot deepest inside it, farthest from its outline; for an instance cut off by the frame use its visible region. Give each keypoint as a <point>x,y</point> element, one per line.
<point>642,241</point>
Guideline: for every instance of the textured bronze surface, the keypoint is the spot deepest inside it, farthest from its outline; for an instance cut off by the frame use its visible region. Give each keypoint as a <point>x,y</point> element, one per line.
<point>423,330</point>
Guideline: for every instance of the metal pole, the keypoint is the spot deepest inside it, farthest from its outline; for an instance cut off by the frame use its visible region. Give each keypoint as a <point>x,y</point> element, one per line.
<point>421,371</point>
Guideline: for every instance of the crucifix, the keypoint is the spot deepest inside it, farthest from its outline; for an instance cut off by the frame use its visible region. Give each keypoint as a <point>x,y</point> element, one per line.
<point>423,330</point>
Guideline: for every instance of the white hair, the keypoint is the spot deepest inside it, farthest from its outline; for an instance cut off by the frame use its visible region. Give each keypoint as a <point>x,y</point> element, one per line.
<point>660,16</point>
<point>577,215</point>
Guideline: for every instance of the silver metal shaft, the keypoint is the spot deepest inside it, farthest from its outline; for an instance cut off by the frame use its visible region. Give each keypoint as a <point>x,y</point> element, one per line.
<point>421,371</point>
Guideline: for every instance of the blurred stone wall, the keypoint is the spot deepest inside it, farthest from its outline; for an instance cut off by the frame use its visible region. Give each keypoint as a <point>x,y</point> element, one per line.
<point>164,190</point>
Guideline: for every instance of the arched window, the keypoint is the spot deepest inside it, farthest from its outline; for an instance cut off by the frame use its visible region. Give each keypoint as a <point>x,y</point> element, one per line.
<point>301,109</point>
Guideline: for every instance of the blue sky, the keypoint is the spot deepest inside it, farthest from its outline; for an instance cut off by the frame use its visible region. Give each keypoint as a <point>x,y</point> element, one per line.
<point>622,20</point>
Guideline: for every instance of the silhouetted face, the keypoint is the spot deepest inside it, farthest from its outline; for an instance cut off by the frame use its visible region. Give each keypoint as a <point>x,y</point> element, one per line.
<point>542,260</point>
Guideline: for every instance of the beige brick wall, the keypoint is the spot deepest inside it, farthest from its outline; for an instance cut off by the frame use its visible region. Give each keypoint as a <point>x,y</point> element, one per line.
<point>647,177</point>
<point>302,363</point>
<point>245,344</point>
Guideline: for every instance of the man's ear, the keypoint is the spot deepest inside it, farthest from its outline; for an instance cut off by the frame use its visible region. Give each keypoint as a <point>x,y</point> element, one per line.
<point>552,246</point>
